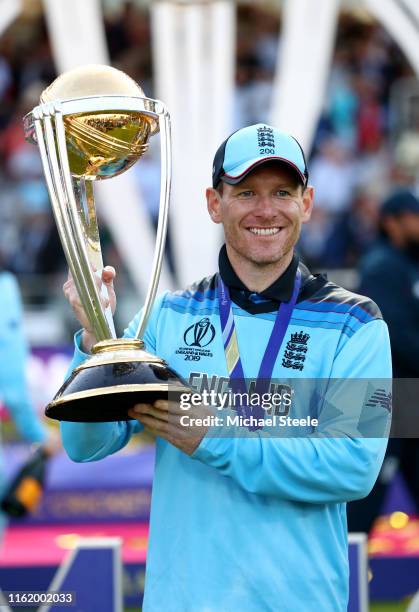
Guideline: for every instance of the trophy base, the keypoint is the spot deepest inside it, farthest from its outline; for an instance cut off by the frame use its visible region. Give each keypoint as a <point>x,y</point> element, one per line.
<point>119,375</point>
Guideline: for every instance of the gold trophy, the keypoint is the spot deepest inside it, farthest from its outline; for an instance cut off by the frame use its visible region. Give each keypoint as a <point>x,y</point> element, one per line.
<point>93,123</point>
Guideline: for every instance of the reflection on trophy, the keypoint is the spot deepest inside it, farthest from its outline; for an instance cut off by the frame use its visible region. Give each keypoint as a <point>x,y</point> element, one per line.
<point>93,123</point>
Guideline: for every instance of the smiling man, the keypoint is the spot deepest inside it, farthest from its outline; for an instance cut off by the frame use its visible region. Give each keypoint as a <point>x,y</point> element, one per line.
<point>254,522</point>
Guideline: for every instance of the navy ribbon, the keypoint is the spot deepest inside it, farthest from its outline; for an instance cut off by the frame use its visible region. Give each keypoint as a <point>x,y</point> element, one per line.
<point>231,349</point>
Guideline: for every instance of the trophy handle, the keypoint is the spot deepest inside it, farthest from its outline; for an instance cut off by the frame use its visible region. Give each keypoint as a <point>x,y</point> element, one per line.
<point>51,140</point>
<point>165,183</point>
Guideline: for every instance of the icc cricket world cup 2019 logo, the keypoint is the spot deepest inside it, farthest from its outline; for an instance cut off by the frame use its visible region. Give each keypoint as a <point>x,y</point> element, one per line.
<point>200,334</point>
<point>197,337</point>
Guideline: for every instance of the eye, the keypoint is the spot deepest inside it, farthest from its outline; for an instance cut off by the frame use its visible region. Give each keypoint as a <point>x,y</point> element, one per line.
<point>248,193</point>
<point>283,193</point>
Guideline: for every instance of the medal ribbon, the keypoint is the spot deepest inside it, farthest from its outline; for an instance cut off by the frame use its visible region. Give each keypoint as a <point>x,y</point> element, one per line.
<point>231,347</point>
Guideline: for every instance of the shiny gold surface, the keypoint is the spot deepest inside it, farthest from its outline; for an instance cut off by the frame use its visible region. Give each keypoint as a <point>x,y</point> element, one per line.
<point>120,350</point>
<point>117,389</point>
<point>119,359</point>
<point>94,122</point>
<point>104,144</point>
<point>101,144</point>
<point>91,80</point>
<point>116,344</point>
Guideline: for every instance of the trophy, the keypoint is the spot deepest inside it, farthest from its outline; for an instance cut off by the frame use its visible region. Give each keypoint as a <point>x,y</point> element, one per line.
<point>93,123</point>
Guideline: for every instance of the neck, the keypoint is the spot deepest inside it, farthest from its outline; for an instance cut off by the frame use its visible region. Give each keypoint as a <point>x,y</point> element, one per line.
<point>258,277</point>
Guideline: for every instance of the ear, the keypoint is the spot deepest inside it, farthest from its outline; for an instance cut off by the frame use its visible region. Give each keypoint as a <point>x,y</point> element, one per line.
<point>307,204</point>
<point>214,204</point>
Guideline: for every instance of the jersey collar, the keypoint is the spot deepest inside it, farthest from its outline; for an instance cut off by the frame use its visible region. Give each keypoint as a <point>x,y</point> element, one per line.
<point>269,299</point>
<point>279,291</point>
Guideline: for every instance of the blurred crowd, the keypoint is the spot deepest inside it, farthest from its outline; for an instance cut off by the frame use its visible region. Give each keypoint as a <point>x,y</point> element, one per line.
<point>359,149</point>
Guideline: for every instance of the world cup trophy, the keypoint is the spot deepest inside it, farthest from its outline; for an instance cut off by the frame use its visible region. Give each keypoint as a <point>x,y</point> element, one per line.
<point>93,123</point>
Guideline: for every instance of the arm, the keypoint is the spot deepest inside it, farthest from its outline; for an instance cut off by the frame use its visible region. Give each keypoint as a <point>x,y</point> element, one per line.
<point>13,359</point>
<point>94,441</point>
<point>315,469</point>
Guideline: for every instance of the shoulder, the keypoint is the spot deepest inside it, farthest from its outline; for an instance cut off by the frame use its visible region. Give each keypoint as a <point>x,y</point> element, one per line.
<point>8,282</point>
<point>199,295</point>
<point>319,295</point>
<point>10,292</point>
<point>202,288</point>
<point>334,298</point>
<point>332,307</point>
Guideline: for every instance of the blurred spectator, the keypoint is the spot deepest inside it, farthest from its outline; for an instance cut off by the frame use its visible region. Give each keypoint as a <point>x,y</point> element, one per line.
<point>13,386</point>
<point>342,101</point>
<point>340,241</point>
<point>253,93</point>
<point>147,176</point>
<point>315,237</point>
<point>351,152</point>
<point>370,133</point>
<point>405,169</point>
<point>390,276</point>
<point>333,176</point>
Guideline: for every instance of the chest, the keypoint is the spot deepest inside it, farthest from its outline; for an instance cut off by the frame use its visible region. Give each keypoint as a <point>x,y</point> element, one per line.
<point>193,343</point>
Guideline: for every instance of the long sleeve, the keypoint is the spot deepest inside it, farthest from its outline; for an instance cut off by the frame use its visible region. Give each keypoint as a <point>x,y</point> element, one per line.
<point>93,441</point>
<point>14,390</point>
<point>329,465</point>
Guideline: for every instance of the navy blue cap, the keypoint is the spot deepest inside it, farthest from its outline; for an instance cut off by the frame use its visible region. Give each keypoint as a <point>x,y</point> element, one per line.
<point>251,146</point>
<point>400,201</point>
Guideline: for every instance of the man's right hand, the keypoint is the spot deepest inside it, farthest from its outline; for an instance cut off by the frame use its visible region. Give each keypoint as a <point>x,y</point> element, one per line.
<point>70,292</point>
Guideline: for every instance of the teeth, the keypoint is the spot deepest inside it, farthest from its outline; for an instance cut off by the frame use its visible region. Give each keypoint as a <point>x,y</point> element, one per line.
<point>268,231</point>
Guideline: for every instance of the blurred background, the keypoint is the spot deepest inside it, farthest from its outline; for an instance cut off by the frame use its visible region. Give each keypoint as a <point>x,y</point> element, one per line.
<point>361,145</point>
<point>364,143</point>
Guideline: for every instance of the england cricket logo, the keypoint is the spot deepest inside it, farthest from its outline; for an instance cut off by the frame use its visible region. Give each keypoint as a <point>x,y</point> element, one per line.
<point>295,351</point>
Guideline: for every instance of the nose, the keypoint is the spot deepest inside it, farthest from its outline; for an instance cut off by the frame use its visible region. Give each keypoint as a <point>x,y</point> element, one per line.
<point>265,206</point>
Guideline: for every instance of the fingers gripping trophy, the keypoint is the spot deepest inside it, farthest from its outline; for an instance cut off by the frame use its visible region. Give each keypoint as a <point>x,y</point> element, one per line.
<point>92,124</point>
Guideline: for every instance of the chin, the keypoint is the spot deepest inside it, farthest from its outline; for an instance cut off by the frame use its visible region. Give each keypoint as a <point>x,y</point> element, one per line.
<point>265,259</point>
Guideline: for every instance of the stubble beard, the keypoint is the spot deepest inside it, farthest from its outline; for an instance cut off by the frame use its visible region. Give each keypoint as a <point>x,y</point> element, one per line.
<point>266,261</point>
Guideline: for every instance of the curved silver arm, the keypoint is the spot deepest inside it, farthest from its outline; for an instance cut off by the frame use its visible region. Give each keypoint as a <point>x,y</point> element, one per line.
<point>51,138</point>
<point>165,183</point>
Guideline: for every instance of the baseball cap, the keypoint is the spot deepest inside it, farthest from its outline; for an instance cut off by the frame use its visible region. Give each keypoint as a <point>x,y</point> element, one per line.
<point>251,146</point>
<point>400,201</point>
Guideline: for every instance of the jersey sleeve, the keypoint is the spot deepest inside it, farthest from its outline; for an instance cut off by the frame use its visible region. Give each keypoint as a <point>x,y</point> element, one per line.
<point>13,358</point>
<point>93,441</point>
<point>328,466</point>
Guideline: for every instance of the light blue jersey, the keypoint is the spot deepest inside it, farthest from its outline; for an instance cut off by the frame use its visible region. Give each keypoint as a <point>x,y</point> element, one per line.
<point>254,524</point>
<point>14,393</point>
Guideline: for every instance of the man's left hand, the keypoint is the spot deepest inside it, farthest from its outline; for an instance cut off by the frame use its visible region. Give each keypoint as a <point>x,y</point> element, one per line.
<point>163,419</point>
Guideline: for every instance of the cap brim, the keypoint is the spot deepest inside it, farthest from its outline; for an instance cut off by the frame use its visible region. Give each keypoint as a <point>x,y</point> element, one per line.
<point>239,173</point>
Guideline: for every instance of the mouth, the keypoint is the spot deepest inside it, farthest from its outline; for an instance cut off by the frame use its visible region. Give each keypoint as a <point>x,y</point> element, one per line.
<point>264,231</point>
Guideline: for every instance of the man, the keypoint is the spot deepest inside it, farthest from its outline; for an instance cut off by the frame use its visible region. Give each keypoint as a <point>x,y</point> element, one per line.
<point>14,392</point>
<point>389,274</point>
<point>251,522</point>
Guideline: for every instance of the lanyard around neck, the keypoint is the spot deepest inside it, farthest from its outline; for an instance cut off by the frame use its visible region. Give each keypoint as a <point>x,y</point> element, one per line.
<point>231,347</point>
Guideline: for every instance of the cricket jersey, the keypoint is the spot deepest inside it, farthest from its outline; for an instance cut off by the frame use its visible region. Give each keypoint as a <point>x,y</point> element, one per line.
<point>257,523</point>
<point>14,392</point>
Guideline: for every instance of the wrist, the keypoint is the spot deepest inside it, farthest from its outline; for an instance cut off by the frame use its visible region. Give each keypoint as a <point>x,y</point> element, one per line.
<point>88,340</point>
